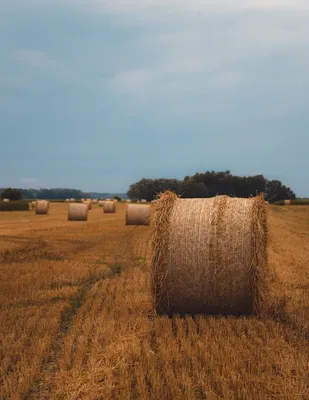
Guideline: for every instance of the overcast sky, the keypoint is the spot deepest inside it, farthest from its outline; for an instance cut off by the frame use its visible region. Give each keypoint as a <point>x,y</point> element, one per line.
<point>97,94</point>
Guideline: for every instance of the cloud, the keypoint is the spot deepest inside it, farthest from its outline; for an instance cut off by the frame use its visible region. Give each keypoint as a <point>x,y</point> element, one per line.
<point>29,180</point>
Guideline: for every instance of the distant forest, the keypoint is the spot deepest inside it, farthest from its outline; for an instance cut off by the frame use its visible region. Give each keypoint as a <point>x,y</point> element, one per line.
<point>210,184</point>
<point>206,184</point>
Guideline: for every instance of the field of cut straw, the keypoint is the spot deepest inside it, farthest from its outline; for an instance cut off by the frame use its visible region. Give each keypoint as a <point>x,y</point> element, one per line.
<point>76,318</point>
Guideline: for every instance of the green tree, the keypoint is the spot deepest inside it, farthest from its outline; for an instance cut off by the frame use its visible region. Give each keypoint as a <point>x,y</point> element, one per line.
<point>11,194</point>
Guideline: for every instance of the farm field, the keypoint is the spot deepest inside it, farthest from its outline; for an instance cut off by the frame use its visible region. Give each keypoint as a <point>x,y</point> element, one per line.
<point>76,319</point>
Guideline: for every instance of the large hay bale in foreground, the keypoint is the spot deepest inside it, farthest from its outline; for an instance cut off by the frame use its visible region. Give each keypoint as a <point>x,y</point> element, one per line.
<point>209,255</point>
<point>109,207</point>
<point>137,214</point>
<point>287,202</point>
<point>78,212</point>
<point>42,207</point>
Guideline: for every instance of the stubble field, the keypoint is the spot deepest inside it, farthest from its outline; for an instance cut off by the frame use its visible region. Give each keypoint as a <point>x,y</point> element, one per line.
<point>76,319</point>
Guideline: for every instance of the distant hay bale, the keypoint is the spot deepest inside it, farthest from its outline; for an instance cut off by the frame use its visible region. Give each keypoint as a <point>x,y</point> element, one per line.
<point>109,207</point>
<point>67,200</point>
<point>209,255</point>
<point>30,205</point>
<point>137,214</point>
<point>100,203</point>
<point>108,199</point>
<point>33,203</point>
<point>78,212</point>
<point>82,200</point>
<point>95,201</point>
<point>72,200</point>
<point>287,202</point>
<point>129,201</point>
<point>89,204</point>
<point>143,201</point>
<point>6,200</point>
<point>42,207</point>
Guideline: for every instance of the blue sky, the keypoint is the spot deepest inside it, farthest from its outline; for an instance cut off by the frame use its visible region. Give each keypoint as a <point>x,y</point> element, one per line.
<point>97,94</point>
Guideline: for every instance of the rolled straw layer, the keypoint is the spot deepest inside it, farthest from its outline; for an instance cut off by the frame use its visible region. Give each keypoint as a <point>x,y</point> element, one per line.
<point>137,214</point>
<point>78,212</point>
<point>209,255</point>
<point>42,207</point>
<point>109,207</point>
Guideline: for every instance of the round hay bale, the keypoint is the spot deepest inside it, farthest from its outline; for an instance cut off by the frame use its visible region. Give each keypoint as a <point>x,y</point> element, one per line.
<point>89,204</point>
<point>30,205</point>
<point>33,203</point>
<point>67,200</point>
<point>137,214</point>
<point>100,203</point>
<point>108,199</point>
<point>82,200</point>
<point>209,255</point>
<point>78,212</point>
<point>42,207</point>
<point>6,200</point>
<point>129,201</point>
<point>287,202</point>
<point>72,200</point>
<point>95,201</point>
<point>143,201</point>
<point>109,207</point>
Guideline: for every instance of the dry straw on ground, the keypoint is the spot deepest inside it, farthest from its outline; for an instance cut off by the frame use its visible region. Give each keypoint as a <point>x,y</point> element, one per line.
<point>78,212</point>
<point>137,214</point>
<point>42,207</point>
<point>209,255</point>
<point>287,202</point>
<point>109,206</point>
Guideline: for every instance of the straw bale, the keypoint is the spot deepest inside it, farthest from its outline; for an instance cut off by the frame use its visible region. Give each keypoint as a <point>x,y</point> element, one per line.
<point>42,207</point>
<point>209,255</point>
<point>143,201</point>
<point>287,202</point>
<point>67,200</point>
<point>6,200</point>
<point>129,201</point>
<point>78,212</point>
<point>100,203</point>
<point>33,203</point>
<point>89,204</point>
<point>137,214</point>
<point>72,200</point>
<point>109,207</point>
<point>94,201</point>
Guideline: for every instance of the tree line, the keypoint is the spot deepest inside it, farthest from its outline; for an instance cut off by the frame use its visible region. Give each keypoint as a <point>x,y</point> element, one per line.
<point>50,194</point>
<point>210,184</point>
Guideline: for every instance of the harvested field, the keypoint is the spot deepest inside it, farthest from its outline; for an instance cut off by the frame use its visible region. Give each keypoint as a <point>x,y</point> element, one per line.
<point>76,318</point>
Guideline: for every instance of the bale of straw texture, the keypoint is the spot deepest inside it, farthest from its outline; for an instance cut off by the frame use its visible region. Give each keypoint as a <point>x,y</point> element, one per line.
<point>109,207</point>
<point>209,255</point>
<point>78,212</point>
<point>89,204</point>
<point>6,200</point>
<point>287,202</point>
<point>42,207</point>
<point>137,214</point>
<point>100,203</point>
